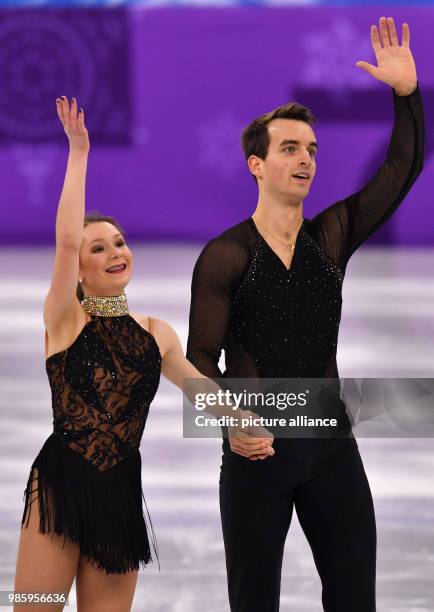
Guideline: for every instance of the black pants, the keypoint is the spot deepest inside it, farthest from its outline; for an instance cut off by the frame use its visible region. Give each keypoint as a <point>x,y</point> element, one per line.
<point>325,480</point>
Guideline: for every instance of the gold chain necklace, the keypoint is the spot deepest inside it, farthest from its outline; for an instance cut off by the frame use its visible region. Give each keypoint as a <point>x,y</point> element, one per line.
<point>106,306</point>
<point>290,246</point>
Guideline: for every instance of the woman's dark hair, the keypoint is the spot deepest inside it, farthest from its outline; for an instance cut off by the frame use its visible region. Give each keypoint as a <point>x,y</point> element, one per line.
<point>95,217</point>
<point>255,138</point>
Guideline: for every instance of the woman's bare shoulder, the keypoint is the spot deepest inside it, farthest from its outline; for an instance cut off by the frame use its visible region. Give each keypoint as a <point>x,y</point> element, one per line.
<point>164,334</point>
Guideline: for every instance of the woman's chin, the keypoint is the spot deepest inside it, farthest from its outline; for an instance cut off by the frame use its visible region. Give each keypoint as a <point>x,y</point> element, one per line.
<point>114,288</point>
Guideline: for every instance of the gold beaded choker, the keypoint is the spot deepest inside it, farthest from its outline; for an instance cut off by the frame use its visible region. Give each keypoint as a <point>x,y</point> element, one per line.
<point>106,306</point>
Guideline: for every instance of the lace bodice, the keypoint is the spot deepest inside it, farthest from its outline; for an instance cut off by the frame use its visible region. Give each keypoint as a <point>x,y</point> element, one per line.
<point>102,386</point>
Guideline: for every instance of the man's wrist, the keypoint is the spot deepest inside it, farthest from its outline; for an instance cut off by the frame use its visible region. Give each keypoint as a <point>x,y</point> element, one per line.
<point>405,90</point>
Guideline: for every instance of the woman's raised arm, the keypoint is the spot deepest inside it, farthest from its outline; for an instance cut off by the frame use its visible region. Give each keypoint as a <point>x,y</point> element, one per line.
<point>61,304</point>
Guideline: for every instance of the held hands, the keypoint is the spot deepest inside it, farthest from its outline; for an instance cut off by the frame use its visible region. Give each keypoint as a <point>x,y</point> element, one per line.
<point>73,124</point>
<point>396,65</point>
<point>254,442</point>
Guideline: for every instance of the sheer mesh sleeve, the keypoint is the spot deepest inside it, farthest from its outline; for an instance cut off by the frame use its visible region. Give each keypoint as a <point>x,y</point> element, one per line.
<point>216,275</point>
<point>341,228</point>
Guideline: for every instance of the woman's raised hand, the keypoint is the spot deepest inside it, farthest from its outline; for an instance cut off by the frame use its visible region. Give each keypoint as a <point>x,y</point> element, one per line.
<point>73,124</point>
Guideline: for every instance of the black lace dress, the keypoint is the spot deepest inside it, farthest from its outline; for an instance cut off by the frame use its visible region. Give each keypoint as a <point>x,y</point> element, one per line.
<point>87,476</point>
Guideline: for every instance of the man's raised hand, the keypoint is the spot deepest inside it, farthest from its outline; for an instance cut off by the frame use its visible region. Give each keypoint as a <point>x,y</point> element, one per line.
<point>395,63</point>
<point>73,124</point>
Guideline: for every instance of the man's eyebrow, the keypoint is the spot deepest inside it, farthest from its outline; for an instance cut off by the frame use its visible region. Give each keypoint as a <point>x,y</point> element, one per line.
<point>297,142</point>
<point>102,239</point>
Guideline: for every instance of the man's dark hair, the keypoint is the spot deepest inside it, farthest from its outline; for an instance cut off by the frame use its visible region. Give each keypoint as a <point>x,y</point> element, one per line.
<point>255,138</point>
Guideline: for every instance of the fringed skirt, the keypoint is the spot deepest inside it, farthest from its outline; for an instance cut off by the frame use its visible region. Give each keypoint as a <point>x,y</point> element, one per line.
<point>101,511</point>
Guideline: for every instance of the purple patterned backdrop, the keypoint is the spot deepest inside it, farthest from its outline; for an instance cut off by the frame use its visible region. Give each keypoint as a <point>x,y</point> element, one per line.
<point>166,94</point>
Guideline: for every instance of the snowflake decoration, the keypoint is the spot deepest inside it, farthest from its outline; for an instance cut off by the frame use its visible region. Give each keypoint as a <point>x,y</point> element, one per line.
<point>332,54</point>
<point>219,145</point>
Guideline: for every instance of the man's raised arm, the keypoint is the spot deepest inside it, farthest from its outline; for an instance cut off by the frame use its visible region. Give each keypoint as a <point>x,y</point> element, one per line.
<point>346,224</point>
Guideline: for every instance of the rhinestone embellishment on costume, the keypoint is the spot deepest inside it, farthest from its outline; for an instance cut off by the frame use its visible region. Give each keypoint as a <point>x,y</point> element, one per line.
<point>106,306</point>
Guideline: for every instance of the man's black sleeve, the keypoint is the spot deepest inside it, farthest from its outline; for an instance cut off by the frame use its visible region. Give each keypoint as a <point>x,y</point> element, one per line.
<point>215,277</point>
<point>344,226</point>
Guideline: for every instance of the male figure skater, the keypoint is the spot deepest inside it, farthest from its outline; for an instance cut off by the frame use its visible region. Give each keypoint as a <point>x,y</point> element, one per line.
<point>268,292</point>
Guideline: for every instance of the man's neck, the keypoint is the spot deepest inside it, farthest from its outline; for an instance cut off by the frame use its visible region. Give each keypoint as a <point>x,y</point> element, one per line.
<point>281,218</point>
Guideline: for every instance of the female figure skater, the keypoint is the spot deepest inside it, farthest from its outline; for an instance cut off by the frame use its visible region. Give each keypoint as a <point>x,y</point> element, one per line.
<point>83,513</point>
<point>269,292</point>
